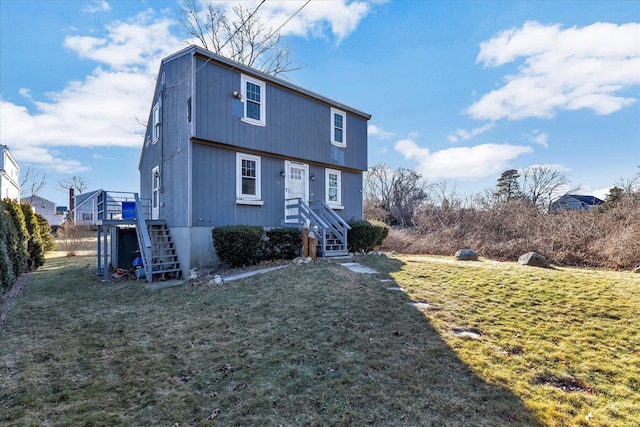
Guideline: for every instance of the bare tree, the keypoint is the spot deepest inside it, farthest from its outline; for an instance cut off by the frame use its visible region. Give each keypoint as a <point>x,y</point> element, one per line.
<point>541,182</point>
<point>242,38</point>
<point>398,193</point>
<point>32,183</point>
<point>78,183</point>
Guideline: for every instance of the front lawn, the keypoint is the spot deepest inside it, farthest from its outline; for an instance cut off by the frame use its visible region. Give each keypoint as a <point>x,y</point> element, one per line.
<point>319,345</point>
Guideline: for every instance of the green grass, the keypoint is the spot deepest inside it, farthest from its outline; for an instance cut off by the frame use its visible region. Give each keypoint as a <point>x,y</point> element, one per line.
<point>318,345</point>
<point>566,341</point>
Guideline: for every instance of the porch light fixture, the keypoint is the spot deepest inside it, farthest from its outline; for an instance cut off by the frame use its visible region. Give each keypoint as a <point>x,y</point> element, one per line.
<point>312,177</point>
<point>282,173</point>
<point>237,94</point>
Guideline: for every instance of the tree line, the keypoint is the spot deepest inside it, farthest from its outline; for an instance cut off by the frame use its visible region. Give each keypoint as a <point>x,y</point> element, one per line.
<point>24,238</point>
<point>508,220</point>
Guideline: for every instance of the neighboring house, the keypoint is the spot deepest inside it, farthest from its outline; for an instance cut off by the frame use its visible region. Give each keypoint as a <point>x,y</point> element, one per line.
<point>85,209</point>
<point>9,175</point>
<point>47,209</point>
<point>575,202</point>
<point>227,145</point>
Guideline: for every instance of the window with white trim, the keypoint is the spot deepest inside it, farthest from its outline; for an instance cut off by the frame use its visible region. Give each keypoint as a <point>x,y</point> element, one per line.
<point>338,128</point>
<point>253,94</point>
<point>248,179</point>
<point>156,122</point>
<point>333,184</point>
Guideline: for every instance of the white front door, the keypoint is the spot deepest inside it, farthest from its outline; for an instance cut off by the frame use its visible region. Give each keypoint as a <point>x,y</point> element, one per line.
<point>155,193</point>
<point>296,185</point>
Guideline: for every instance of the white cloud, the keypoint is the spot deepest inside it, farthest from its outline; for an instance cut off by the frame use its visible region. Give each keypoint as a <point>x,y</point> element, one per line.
<point>97,6</point>
<point>566,69</point>
<point>538,137</point>
<point>460,162</point>
<point>101,109</point>
<point>373,130</point>
<point>340,18</point>
<point>463,135</point>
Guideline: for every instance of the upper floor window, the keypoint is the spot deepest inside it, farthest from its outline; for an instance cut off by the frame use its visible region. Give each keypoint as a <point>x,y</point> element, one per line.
<point>338,128</point>
<point>156,122</point>
<point>333,194</point>
<point>253,93</point>
<point>248,180</point>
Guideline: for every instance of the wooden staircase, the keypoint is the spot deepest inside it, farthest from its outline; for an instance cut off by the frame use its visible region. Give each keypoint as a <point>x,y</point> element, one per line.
<point>157,251</point>
<point>164,259</point>
<point>331,228</point>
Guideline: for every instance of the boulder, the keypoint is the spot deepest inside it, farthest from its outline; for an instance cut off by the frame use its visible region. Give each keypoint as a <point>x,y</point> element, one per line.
<point>637,270</point>
<point>533,259</point>
<point>466,255</point>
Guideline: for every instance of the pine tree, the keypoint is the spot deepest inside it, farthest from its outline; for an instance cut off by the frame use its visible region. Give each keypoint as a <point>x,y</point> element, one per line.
<point>508,187</point>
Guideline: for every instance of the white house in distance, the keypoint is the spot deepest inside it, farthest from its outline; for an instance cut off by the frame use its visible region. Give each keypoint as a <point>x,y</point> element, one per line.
<point>9,175</point>
<point>55,215</point>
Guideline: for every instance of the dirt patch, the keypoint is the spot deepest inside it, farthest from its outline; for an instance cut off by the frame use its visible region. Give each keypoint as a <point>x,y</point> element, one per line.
<point>567,384</point>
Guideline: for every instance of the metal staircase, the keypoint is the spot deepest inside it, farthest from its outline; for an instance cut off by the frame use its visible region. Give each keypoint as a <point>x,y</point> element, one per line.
<point>331,228</point>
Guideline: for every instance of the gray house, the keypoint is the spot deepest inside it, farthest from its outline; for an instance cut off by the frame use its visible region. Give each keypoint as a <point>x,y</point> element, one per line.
<point>575,202</point>
<point>229,145</point>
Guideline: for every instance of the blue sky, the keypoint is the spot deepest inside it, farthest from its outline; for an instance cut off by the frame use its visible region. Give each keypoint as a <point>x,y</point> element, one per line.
<point>461,91</point>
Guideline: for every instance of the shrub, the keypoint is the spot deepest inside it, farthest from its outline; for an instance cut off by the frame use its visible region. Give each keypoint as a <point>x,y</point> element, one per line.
<point>70,236</point>
<point>365,236</point>
<point>282,243</point>
<point>7,273</point>
<point>48,242</point>
<point>34,244</point>
<point>238,245</point>
<point>17,243</point>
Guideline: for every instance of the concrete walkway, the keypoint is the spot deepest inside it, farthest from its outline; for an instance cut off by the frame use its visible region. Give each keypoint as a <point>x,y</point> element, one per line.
<point>357,268</point>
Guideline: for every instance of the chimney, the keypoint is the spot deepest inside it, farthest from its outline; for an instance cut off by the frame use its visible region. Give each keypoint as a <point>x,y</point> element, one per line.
<point>72,205</point>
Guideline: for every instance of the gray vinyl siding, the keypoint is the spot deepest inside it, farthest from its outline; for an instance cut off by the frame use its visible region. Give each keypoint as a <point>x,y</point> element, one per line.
<point>297,126</point>
<point>171,151</point>
<point>214,190</point>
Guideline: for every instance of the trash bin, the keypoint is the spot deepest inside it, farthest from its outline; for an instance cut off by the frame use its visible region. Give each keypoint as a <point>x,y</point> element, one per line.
<point>128,210</point>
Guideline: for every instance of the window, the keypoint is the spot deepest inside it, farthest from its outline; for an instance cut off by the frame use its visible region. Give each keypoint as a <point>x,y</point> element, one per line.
<point>156,122</point>
<point>253,93</point>
<point>338,128</point>
<point>248,181</point>
<point>333,195</point>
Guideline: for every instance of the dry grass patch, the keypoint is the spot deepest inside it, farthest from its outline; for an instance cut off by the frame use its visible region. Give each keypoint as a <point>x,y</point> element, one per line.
<point>564,340</point>
<point>302,346</point>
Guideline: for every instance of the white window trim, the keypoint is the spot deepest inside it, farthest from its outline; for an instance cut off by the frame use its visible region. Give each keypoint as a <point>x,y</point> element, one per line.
<point>248,199</point>
<point>333,205</point>
<point>263,100</point>
<point>155,119</point>
<point>344,128</point>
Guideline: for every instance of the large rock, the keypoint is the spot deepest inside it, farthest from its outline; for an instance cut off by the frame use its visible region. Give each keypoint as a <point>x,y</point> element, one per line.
<point>467,255</point>
<point>637,270</point>
<point>534,259</point>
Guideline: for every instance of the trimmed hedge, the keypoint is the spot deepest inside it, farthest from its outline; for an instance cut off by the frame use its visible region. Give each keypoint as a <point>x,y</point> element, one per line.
<point>240,245</point>
<point>365,236</point>
<point>282,243</point>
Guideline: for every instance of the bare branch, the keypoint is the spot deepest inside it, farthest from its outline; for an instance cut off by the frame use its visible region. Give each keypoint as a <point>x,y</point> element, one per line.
<point>243,38</point>
<point>32,183</point>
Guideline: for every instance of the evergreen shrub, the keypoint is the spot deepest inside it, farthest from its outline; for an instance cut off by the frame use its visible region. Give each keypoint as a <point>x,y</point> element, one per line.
<point>48,242</point>
<point>34,244</point>
<point>282,243</point>
<point>240,245</point>
<point>365,236</point>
